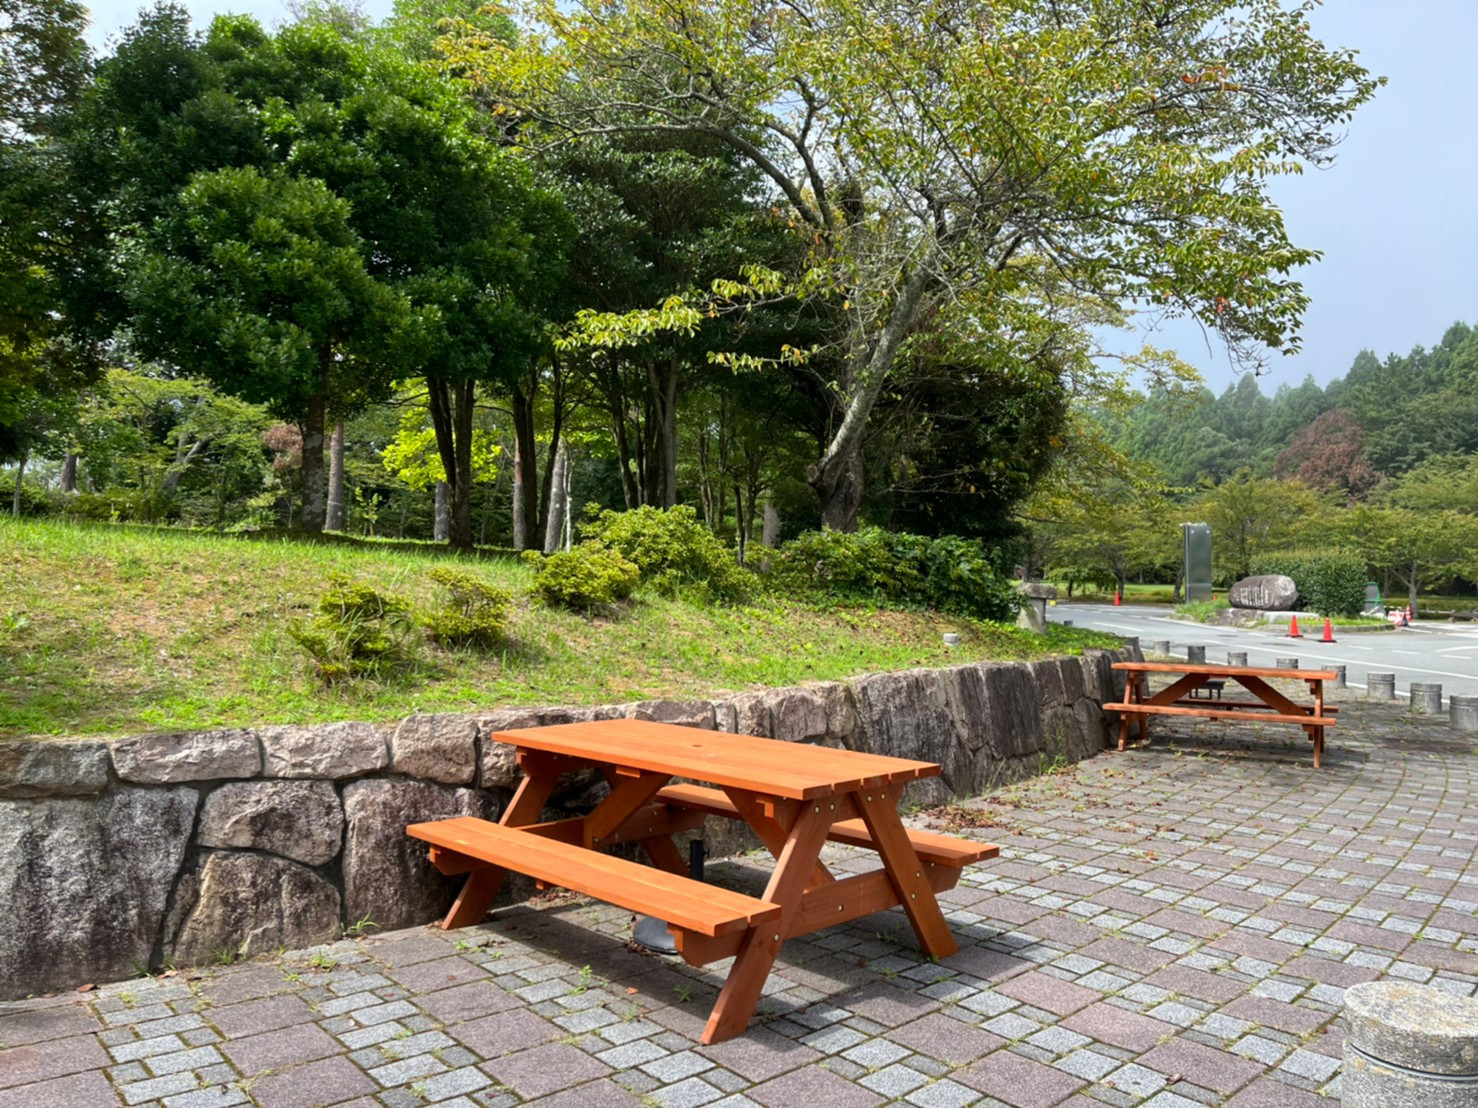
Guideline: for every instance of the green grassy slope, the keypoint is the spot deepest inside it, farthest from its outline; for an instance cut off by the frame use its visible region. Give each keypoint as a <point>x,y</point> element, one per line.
<point>114,629</point>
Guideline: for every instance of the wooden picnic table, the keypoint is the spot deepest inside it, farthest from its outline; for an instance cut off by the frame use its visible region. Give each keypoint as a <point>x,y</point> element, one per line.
<point>794,796</point>
<point>1179,697</point>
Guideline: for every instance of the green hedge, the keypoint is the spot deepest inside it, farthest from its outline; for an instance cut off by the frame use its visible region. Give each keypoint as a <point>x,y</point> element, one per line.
<point>950,574</point>
<point>1330,584</point>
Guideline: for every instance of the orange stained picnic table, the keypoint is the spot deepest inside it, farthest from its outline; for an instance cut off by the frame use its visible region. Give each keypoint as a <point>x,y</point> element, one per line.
<point>794,796</point>
<point>1179,697</point>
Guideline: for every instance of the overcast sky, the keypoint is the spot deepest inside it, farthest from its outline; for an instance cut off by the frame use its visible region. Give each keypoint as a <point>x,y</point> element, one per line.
<point>1396,216</point>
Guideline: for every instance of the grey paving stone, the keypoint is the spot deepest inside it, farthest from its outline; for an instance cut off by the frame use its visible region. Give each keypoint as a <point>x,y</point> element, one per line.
<point>328,1081</point>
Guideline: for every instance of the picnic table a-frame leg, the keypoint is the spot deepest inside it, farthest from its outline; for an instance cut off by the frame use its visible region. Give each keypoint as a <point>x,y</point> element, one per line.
<point>741,991</point>
<point>482,885</point>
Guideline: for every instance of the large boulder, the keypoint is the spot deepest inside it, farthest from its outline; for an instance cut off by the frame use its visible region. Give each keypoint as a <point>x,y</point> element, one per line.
<point>1270,592</point>
<point>326,750</point>
<point>300,820</point>
<point>908,715</point>
<point>387,877</point>
<point>84,882</point>
<point>684,713</point>
<point>790,715</point>
<point>238,904</point>
<point>441,748</point>
<point>188,756</point>
<point>33,767</point>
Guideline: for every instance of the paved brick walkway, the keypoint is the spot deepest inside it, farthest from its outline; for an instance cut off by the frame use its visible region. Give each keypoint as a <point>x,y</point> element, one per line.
<point>1169,927</point>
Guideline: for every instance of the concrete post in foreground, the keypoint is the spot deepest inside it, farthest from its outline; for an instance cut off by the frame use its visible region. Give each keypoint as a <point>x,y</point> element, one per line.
<point>1463,712</point>
<point>1286,663</point>
<point>1196,654</point>
<point>1162,647</point>
<point>1236,657</point>
<point>1380,686</point>
<point>1426,698</point>
<point>1409,1046</point>
<point>1339,680</point>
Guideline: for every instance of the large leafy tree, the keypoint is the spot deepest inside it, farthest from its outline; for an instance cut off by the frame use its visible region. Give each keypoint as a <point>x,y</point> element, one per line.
<point>308,217</point>
<point>258,279</point>
<point>43,69</point>
<point>963,161</point>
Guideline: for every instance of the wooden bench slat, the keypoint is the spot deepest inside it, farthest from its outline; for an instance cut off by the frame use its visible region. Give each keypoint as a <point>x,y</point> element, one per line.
<point>1264,716</point>
<point>1329,709</point>
<point>706,909</point>
<point>931,847</point>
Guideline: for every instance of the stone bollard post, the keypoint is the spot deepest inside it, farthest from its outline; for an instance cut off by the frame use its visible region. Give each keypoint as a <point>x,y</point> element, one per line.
<point>1409,1046</point>
<point>1380,686</point>
<point>1236,657</point>
<point>1162,647</point>
<point>1286,663</point>
<point>1195,654</point>
<point>1426,698</point>
<point>1463,712</point>
<point>1339,680</point>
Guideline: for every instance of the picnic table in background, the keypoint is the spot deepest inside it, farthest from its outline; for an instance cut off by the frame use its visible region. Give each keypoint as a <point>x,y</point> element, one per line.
<point>1179,697</point>
<point>794,796</point>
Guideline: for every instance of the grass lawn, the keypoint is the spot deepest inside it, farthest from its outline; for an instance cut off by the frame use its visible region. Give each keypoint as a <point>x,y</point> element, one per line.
<point>110,630</point>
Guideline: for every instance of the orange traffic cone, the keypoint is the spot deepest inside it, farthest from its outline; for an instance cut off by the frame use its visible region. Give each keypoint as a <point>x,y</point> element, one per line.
<point>1293,631</point>
<point>1118,598</point>
<point>1328,631</point>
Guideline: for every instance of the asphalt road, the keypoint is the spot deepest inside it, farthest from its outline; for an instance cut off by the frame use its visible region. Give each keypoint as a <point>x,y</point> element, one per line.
<point>1444,653</point>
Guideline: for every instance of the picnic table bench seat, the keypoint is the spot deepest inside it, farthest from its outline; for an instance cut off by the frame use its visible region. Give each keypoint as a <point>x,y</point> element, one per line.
<point>932,849</point>
<point>680,901</point>
<point>1260,715</point>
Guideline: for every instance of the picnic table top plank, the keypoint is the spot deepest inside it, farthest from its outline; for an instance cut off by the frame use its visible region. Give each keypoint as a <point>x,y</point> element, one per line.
<point>1227,671</point>
<point>805,772</point>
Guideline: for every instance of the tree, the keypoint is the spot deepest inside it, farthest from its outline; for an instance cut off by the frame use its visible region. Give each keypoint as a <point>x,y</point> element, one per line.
<point>1255,515</point>
<point>258,280</point>
<point>43,68</point>
<point>974,161</point>
<point>1413,547</point>
<point>1329,455</point>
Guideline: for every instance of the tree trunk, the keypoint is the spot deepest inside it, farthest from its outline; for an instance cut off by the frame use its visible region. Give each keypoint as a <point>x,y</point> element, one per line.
<point>69,473</point>
<point>838,482</point>
<point>20,476</point>
<point>451,405</point>
<point>837,477</point>
<point>443,524</point>
<point>559,393</point>
<point>662,388</point>
<point>525,472</point>
<point>312,427</point>
<point>334,515</point>
<point>558,505</point>
<point>1411,590</point>
<point>770,531</point>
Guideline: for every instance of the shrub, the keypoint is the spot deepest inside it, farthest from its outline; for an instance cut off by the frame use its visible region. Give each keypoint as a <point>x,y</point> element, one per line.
<point>1330,584</point>
<point>472,612</point>
<point>673,551</point>
<point>588,576</point>
<point>949,573</point>
<point>961,578</point>
<point>358,631</point>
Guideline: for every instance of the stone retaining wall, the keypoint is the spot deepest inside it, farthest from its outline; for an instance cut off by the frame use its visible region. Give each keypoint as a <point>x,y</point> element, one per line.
<point>120,855</point>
